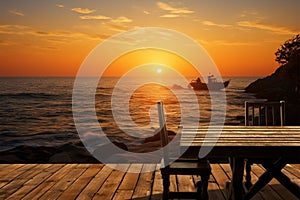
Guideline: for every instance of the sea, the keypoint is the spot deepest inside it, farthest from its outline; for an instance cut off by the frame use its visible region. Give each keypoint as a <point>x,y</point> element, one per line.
<point>37,111</point>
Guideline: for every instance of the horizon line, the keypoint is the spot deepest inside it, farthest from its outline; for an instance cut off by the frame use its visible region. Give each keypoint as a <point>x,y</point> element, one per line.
<point>59,76</point>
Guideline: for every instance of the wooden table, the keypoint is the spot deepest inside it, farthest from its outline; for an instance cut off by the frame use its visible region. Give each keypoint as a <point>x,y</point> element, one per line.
<point>273,147</point>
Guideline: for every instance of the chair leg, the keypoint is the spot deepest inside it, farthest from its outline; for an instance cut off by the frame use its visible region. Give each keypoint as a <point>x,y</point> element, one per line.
<point>166,185</point>
<point>204,187</point>
<point>248,183</point>
<point>199,190</point>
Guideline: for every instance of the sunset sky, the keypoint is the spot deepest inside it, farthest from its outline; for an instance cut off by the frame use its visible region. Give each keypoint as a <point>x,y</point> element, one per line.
<point>52,38</point>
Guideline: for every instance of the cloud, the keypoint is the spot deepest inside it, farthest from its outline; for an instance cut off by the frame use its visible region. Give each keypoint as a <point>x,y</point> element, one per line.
<point>170,16</point>
<point>116,27</point>
<point>146,12</point>
<point>7,43</point>
<point>97,17</point>
<point>210,23</point>
<point>267,27</point>
<point>60,5</point>
<point>118,24</point>
<point>16,12</point>
<point>227,43</point>
<point>83,10</point>
<point>53,48</point>
<point>12,29</point>
<point>251,13</point>
<point>122,19</point>
<point>173,10</point>
<point>25,30</point>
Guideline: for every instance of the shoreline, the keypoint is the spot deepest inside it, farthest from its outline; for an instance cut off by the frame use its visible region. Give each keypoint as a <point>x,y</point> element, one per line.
<point>73,152</point>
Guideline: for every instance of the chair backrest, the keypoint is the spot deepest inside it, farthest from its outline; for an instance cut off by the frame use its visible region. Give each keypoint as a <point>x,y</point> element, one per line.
<point>163,132</point>
<point>265,113</point>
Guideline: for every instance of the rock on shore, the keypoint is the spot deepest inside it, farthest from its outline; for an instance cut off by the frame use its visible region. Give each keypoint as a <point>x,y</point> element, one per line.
<point>67,153</point>
<point>77,153</point>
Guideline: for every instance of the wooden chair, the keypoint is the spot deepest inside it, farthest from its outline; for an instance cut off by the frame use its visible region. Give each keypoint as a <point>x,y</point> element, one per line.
<point>262,114</point>
<point>181,166</point>
<point>268,113</point>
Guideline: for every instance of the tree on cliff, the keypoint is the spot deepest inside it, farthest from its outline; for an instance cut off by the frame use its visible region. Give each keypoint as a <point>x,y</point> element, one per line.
<point>284,53</point>
<point>284,83</point>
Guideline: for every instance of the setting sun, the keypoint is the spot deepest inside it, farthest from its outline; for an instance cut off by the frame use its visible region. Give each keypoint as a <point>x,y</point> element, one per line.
<point>156,56</point>
<point>158,70</point>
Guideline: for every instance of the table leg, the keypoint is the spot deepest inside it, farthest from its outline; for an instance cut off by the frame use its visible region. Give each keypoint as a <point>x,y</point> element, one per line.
<point>236,190</point>
<point>265,178</point>
<point>262,181</point>
<point>286,182</point>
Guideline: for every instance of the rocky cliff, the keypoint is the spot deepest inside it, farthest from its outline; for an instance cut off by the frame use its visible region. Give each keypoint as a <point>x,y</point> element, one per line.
<point>283,84</point>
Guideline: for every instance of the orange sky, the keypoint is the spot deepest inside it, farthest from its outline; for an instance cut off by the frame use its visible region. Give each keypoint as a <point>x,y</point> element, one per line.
<point>52,38</point>
<point>136,58</point>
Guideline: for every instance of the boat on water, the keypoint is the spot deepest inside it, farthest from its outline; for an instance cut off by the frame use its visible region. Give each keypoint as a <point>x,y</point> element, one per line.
<point>212,84</point>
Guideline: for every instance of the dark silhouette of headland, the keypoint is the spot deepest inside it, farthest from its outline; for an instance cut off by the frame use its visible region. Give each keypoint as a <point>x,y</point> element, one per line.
<point>283,84</point>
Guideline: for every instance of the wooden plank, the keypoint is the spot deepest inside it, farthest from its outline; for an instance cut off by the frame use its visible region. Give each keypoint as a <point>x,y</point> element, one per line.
<point>74,190</point>
<point>224,131</point>
<point>186,183</point>
<point>91,189</point>
<point>7,168</point>
<point>293,177</point>
<point>213,187</point>
<point>157,188</point>
<point>126,188</point>
<point>205,128</point>
<point>130,180</point>
<point>173,183</point>
<point>242,134</point>
<point>111,184</point>
<point>293,169</point>
<point>35,181</point>
<point>18,181</point>
<point>214,191</point>
<point>123,195</point>
<point>266,192</point>
<point>226,168</point>
<point>62,184</point>
<point>296,166</point>
<point>4,166</point>
<point>8,177</point>
<point>249,134</point>
<point>220,177</point>
<point>243,143</point>
<point>254,178</point>
<point>49,182</point>
<point>144,186</point>
<point>238,136</point>
<point>260,139</point>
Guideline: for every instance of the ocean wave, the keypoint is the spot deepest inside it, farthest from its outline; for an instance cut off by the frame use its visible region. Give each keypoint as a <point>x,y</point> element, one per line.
<point>29,95</point>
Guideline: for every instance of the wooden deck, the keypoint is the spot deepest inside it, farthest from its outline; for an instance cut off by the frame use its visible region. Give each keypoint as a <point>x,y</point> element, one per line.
<point>97,181</point>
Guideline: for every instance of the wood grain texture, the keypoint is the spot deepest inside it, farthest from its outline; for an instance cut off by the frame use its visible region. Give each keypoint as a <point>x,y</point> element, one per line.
<point>73,181</point>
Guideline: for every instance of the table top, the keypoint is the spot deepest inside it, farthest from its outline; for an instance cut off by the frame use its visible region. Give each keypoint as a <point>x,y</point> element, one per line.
<point>241,136</point>
<point>244,141</point>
